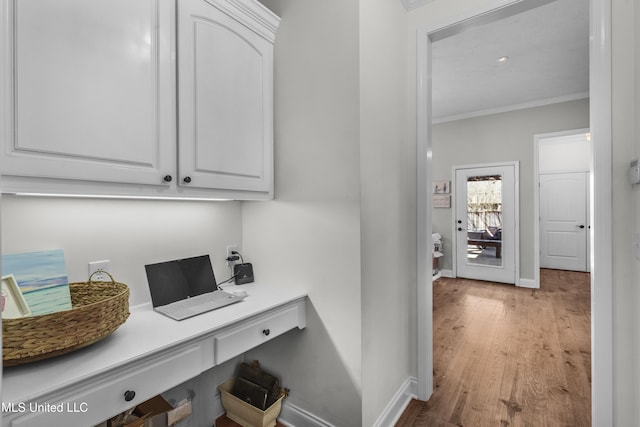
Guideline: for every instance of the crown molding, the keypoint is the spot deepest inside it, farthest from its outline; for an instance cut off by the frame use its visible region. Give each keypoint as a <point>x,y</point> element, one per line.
<point>414,4</point>
<point>259,17</point>
<point>508,108</point>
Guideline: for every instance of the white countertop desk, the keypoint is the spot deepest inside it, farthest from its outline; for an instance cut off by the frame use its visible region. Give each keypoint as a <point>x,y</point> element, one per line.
<point>149,354</point>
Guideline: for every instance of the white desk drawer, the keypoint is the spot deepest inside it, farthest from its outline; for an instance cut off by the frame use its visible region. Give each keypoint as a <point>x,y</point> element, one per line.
<point>93,403</point>
<point>245,336</point>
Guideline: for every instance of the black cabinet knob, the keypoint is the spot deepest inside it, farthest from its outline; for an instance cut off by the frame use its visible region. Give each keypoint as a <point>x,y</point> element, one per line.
<point>459,221</point>
<point>187,179</point>
<point>129,395</point>
<point>581,226</point>
<point>266,332</point>
<point>167,178</point>
<point>459,228</point>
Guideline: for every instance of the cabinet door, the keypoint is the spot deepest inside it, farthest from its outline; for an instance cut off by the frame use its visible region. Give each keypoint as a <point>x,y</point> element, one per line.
<point>90,90</point>
<point>225,101</point>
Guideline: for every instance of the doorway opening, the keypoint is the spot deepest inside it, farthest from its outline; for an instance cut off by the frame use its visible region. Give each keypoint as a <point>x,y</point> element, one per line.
<point>561,200</point>
<point>600,202</point>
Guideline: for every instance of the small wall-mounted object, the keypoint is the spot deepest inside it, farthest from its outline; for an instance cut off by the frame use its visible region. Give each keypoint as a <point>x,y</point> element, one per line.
<point>441,201</point>
<point>634,172</point>
<point>441,187</point>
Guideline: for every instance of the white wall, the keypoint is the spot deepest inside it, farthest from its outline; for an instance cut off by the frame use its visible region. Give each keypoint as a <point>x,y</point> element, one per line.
<point>388,205</point>
<point>345,195</point>
<point>559,154</point>
<point>501,138</point>
<point>310,234</point>
<point>129,233</point>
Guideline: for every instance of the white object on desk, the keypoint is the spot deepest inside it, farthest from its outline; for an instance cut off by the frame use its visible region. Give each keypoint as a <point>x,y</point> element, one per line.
<point>241,293</point>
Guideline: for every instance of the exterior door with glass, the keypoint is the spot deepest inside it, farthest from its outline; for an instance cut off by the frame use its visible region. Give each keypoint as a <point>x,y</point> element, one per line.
<point>485,222</point>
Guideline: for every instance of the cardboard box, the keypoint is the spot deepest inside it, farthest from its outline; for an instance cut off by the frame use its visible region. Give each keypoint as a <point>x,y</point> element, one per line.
<point>246,414</point>
<point>155,412</point>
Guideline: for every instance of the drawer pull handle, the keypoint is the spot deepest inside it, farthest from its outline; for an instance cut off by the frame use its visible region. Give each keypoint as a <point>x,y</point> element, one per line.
<point>266,332</point>
<point>129,395</point>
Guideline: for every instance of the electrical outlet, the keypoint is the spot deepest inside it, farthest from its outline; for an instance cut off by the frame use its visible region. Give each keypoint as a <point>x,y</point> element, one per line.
<point>230,249</point>
<point>99,265</point>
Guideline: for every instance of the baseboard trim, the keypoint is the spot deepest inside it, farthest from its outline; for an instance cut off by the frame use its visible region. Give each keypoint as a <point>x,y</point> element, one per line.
<point>528,283</point>
<point>293,416</point>
<point>447,273</point>
<point>392,413</point>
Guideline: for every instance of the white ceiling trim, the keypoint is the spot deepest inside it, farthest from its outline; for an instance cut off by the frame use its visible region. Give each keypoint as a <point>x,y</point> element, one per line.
<point>414,4</point>
<point>506,109</point>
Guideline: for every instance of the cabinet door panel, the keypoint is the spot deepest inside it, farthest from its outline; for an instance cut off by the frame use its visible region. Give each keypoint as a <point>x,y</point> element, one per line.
<point>90,85</point>
<point>225,111</point>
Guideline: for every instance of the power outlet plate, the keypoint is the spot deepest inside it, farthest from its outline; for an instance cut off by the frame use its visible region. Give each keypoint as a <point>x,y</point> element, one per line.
<point>99,265</point>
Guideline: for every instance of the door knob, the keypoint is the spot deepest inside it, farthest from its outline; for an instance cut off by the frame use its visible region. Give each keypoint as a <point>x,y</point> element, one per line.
<point>129,395</point>
<point>167,178</point>
<point>187,179</point>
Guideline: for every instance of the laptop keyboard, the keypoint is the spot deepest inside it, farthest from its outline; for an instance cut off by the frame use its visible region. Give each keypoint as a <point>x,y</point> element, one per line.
<point>199,304</point>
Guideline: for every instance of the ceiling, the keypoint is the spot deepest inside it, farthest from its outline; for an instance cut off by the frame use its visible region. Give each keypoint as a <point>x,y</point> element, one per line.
<point>548,61</point>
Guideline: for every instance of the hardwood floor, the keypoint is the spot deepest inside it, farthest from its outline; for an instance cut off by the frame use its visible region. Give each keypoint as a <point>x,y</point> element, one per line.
<point>507,356</point>
<point>223,421</point>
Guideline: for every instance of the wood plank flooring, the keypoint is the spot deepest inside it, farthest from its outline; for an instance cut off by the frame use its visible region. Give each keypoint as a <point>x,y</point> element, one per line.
<point>507,356</point>
<point>223,421</point>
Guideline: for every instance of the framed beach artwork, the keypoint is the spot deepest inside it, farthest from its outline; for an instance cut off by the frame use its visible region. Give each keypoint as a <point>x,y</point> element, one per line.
<point>13,303</point>
<point>42,279</point>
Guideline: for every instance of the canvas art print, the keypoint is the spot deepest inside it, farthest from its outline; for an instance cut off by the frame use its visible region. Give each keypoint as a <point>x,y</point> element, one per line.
<point>42,278</point>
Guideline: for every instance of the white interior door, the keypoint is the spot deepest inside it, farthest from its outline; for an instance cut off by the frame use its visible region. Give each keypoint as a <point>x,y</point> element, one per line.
<point>486,226</point>
<point>564,221</point>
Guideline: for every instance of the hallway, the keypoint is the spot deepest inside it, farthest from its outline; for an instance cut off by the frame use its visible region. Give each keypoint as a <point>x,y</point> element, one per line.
<point>507,356</point>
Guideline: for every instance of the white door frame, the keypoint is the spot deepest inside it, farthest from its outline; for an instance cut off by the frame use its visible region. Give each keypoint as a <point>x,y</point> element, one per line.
<point>536,197</point>
<point>600,201</point>
<point>516,201</point>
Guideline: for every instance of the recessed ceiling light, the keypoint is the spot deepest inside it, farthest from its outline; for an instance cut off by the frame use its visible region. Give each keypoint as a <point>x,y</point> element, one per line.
<point>503,59</point>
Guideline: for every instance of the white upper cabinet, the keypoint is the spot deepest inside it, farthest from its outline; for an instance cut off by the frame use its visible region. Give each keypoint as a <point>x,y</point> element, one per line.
<point>226,101</point>
<point>90,98</point>
<point>90,91</point>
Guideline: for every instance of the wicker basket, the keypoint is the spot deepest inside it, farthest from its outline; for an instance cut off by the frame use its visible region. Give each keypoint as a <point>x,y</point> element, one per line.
<point>99,308</point>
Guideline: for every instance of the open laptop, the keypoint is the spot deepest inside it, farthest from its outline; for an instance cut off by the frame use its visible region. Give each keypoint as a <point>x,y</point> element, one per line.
<point>186,287</point>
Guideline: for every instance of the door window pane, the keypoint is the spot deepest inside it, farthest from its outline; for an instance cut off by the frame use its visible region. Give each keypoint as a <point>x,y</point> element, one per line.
<point>484,220</point>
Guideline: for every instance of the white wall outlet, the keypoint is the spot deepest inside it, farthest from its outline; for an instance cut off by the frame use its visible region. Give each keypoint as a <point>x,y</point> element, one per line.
<point>230,249</point>
<point>99,265</point>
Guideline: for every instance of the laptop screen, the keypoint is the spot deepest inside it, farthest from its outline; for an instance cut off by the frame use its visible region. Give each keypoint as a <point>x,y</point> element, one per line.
<point>176,280</point>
